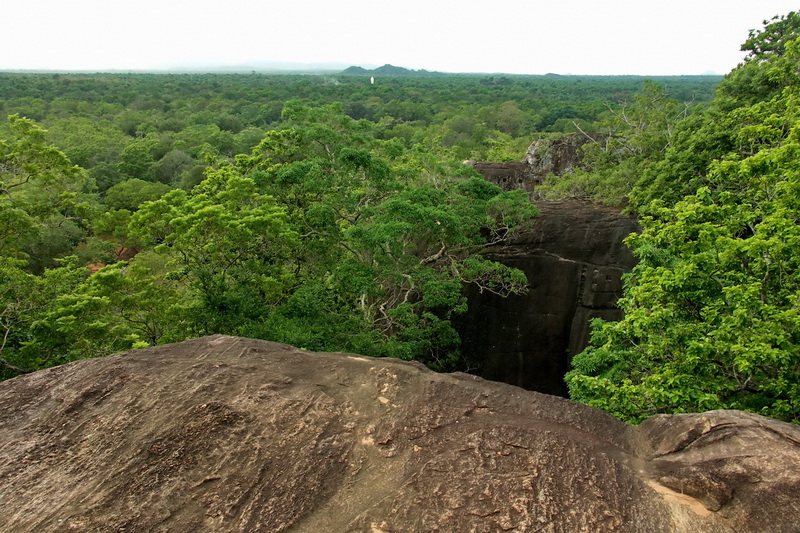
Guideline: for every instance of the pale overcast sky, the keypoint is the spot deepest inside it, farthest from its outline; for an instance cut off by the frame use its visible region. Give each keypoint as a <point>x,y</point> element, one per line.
<point>513,36</point>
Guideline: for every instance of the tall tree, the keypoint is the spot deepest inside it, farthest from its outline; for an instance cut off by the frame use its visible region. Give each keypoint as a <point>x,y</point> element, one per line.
<point>380,241</point>
<point>229,240</point>
<point>711,309</point>
<point>44,201</point>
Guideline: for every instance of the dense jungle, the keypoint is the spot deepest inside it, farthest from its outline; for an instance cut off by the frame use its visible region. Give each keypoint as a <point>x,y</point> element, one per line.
<point>335,213</point>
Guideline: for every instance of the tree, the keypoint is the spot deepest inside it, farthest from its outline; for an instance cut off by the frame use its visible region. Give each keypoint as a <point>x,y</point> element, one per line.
<point>632,137</point>
<point>87,141</point>
<point>771,40</point>
<point>43,197</point>
<point>394,241</point>
<point>122,306</point>
<point>67,314</point>
<point>710,132</point>
<point>750,81</point>
<point>711,310</point>
<point>137,160</point>
<point>25,299</point>
<point>169,168</point>
<point>229,240</point>
<point>132,193</point>
<point>17,311</point>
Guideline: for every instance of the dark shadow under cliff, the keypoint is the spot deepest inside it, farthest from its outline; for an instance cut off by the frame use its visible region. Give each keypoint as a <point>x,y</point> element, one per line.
<point>574,257</point>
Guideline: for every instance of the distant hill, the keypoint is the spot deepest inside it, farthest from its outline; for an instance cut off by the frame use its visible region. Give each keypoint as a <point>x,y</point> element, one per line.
<point>388,70</point>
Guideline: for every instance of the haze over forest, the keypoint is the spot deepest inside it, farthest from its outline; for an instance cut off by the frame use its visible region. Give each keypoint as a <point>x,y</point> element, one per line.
<point>618,37</point>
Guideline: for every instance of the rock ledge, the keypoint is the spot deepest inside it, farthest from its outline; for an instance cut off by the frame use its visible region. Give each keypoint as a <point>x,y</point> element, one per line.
<point>227,434</point>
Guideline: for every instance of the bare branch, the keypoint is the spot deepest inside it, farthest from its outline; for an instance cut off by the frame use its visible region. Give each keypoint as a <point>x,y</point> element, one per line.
<point>435,257</point>
<point>584,133</point>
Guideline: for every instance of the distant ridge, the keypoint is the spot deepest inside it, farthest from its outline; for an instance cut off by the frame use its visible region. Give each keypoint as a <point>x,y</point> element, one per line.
<point>388,70</point>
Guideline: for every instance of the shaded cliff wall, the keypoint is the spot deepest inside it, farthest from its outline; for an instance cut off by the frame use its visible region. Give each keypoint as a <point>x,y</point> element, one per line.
<point>574,257</point>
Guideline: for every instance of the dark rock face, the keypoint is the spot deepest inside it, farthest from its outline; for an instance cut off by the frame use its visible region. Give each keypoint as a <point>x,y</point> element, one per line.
<point>574,257</point>
<point>509,175</point>
<point>235,435</point>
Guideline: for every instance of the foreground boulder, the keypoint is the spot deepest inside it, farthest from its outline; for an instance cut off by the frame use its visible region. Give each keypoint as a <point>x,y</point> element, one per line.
<point>224,434</point>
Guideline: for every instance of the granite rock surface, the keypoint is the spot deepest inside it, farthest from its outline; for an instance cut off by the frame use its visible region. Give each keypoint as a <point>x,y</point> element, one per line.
<point>225,434</point>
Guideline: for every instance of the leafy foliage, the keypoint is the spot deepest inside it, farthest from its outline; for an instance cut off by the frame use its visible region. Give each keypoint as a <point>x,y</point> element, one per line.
<point>393,239</point>
<point>712,308</point>
<point>630,138</point>
<point>40,191</point>
<point>327,232</point>
<point>711,132</point>
<point>228,239</point>
<point>132,193</point>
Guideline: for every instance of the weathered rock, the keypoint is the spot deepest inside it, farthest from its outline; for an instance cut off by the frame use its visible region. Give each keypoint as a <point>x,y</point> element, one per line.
<point>722,456</point>
<point>508,175</point>
<point>574,257</point>
<point>234,435</point>
<point>555,155</point>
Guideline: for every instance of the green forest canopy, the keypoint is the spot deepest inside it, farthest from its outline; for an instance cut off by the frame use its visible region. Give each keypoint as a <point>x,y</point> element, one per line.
<point>330,214</point>
<point>334,214</point>
<point>712,309</point>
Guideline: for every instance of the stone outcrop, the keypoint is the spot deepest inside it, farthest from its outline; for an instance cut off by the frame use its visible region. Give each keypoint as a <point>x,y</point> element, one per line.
<point>508,175</point>
<point>559,156</point>
<point>574,257</point>
<point>230,435</point>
